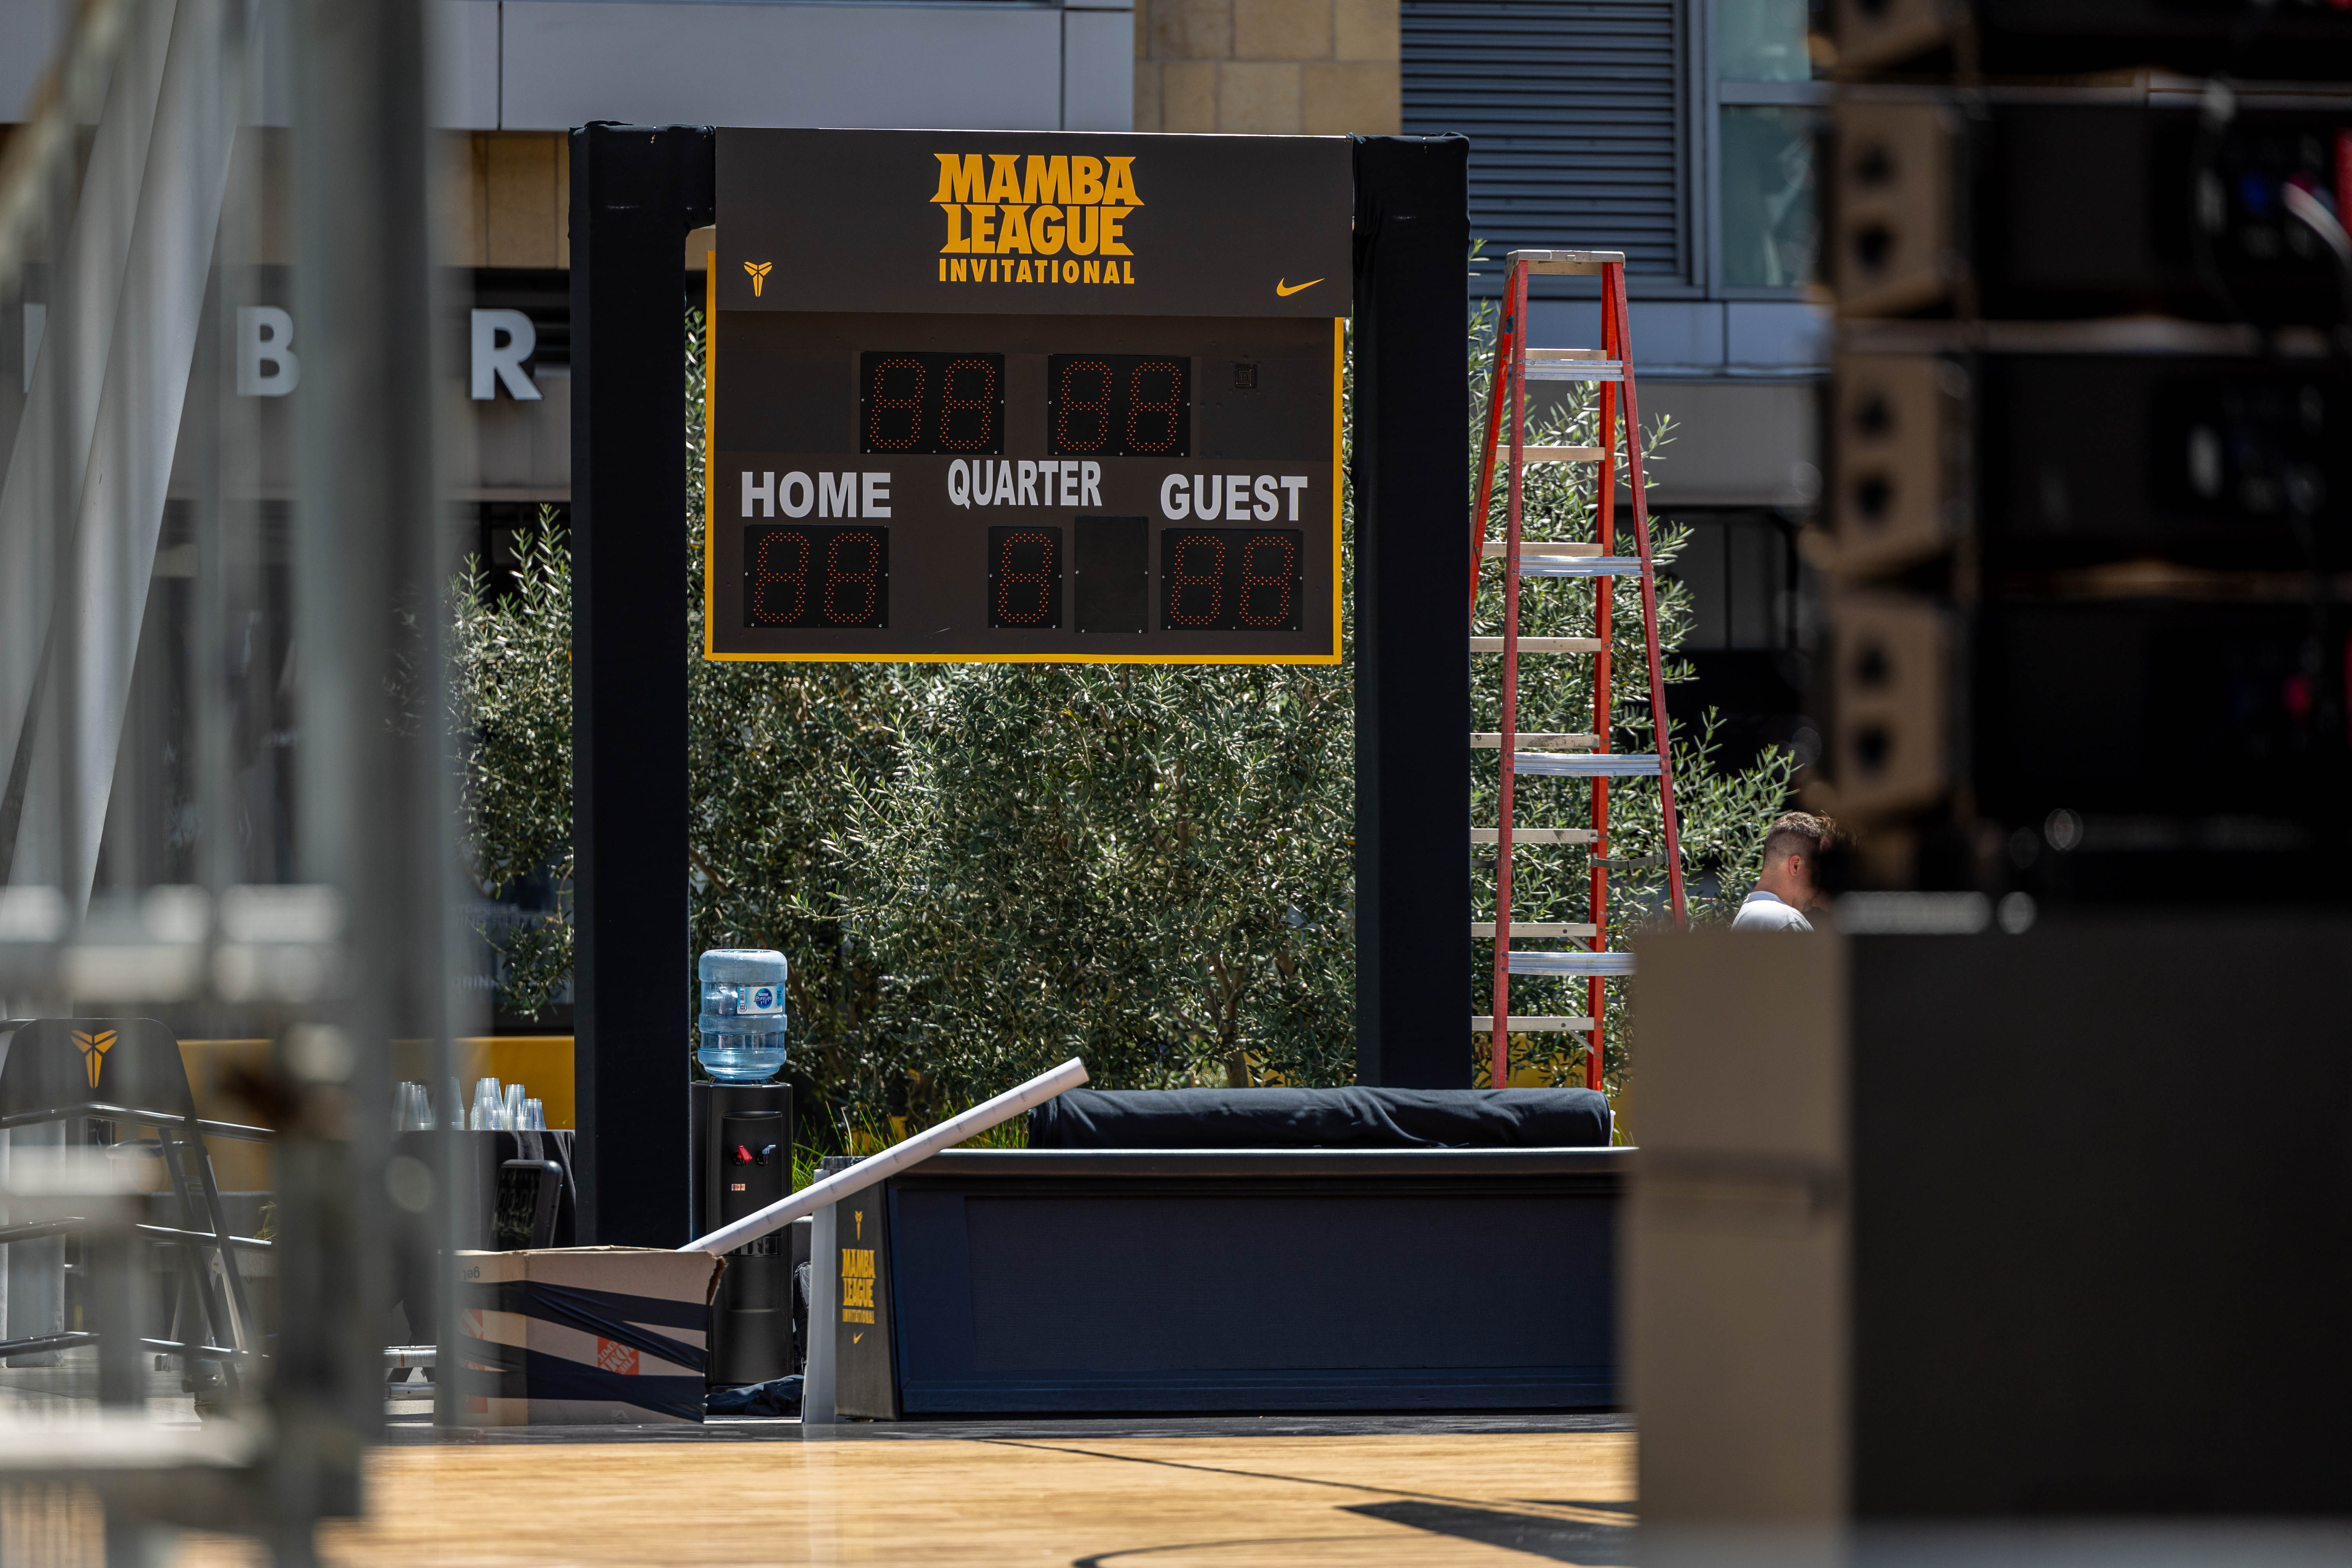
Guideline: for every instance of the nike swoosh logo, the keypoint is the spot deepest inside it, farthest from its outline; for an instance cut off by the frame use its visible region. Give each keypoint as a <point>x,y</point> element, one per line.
<point>1287,290</point>
<point>854,1338</point>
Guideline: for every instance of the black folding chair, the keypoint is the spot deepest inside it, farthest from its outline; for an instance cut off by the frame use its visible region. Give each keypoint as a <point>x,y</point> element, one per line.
<point>95,1075</point>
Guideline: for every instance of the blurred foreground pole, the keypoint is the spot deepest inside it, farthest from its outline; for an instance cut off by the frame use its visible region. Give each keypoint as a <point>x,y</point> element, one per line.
<point>89,227</point>
<point>373,808</point>
<point>109,551</point>
<point>1870,1317</point>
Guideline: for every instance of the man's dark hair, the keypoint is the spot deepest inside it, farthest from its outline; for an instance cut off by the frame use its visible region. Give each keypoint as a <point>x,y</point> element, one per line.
<point>1798,833</point>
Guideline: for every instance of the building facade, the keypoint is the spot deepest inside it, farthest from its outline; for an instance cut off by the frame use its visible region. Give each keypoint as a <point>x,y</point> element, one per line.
<point>1678,130</point>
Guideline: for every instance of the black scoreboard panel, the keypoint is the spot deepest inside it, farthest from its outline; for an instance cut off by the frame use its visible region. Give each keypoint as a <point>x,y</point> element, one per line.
<point>1027,395</point>
<point>907,485</point>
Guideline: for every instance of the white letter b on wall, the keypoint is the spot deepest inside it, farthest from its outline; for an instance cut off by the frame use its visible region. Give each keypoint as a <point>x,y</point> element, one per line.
<point>265,361</point>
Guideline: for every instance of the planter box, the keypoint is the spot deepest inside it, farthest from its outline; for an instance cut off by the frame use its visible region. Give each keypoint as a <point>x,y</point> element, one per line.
<point>1125,1280</point>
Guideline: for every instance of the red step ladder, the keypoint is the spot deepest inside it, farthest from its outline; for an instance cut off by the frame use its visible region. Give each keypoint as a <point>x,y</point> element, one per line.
<point>1573,755</point>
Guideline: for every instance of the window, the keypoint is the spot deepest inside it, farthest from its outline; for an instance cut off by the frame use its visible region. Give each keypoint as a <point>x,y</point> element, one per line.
<point>1765,40</point>
<point>1576,114</point>
<point>1766,53</point>
<point>1741,569</point>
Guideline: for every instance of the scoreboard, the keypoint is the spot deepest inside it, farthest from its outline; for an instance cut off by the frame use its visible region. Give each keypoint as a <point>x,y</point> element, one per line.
<point>1025,396</point>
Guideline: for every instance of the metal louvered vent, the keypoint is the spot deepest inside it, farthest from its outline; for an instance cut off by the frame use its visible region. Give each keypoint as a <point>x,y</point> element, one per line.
<point>1575,114</point>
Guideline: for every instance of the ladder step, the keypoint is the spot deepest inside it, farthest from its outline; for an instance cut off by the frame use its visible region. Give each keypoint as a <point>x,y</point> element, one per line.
<point>1536,929</point>
<point>1520,836</point>
<point>1572,262</point>
<point>1586,765</point>
<point>1540,644</point>
<point>1571,963</point>
<point>1520,1024</point>
<point>1558,454</point>
<point>1568,354</point>
<point>1492,741</point>
<point>1496,549</point>
<point>1579,565</point>
<point>1630,863</point>
<point>1576,370</point>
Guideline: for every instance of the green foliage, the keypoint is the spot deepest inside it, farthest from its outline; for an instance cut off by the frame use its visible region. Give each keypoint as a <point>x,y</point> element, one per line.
<point>977,870</point>
<point>512,695</point>
<point>1721,815</point>
<point>1148,866</point>
<point>777,755</point>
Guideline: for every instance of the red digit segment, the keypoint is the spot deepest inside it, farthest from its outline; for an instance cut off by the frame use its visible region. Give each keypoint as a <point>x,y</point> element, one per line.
<point>922,404</point>
<point>853,571</point>
<point>1080,376</point>
<point>1269,568</point>
<point>1028,576</point>
<point>969,388</point>
<point>1119,406</point>
<point>1155,424</point>
<point>779,577</point>
<point>1196,571</point>
<point>1230,579</point>
<point>894,403</point>
<point>798,577</point>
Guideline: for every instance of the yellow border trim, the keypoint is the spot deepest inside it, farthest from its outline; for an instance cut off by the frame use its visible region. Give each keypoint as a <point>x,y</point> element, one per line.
<point>710,535</point>
<point>1338,475</point>
<point>709,426</point>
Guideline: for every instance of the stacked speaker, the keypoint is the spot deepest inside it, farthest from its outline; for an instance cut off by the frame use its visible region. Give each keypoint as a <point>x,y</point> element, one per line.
<point>2088,535</point>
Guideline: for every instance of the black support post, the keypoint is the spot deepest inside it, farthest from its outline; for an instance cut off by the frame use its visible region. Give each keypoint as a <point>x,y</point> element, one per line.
<point>1411,473</point>
<point>636,192</point>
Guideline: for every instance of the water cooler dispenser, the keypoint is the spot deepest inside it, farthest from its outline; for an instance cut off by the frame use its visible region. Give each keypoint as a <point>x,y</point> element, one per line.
<point>743,1148</point>
<point>743,1139</point>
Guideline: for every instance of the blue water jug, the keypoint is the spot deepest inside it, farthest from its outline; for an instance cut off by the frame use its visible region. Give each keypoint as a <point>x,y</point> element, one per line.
<point>742,1019</point>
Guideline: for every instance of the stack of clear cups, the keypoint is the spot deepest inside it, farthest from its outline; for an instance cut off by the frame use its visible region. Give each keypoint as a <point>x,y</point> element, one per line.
<point>484,1117</point>
<point>534,1116</point>
<point>453,1104</point>
<point>404,1116</point>
<point>511,1110</point>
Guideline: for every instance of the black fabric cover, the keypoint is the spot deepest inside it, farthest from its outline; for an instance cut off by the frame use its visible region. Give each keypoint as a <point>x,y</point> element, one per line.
<point>1322,1118</point>
<point>777,1397</point>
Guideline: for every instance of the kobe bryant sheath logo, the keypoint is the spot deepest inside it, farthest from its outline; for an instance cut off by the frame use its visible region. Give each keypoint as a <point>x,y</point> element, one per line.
<point>93,1048</point>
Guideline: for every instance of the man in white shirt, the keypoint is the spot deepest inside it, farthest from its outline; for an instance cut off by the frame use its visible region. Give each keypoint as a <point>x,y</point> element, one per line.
<point>1793,849</point>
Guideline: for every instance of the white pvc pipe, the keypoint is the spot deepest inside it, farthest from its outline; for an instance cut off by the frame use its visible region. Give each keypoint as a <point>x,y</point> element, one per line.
<point>891,1161</point>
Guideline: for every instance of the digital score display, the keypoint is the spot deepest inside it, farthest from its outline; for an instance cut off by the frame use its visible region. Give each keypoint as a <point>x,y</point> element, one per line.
<point>1128,453</point>
<point>802,577</point>
<point>1024,577</point>
<point>1119,406</point>
<point>1228,579</point>
<point>931,402</point>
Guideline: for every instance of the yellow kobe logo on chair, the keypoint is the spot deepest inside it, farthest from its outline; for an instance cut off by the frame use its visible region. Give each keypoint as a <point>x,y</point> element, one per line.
<point>759,271</point>
<point>93,1051</point>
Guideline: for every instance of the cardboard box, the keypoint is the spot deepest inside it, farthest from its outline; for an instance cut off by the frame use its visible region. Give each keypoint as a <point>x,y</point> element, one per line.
<point>582,1336</point>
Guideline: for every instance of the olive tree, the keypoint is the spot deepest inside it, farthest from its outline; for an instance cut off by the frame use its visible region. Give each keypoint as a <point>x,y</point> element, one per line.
<point>978,869</point>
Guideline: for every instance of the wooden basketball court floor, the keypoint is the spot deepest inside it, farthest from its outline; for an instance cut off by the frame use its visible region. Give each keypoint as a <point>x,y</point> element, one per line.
<point>1228,1493</point>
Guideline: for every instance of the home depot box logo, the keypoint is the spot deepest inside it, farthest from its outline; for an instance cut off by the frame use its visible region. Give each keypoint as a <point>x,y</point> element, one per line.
<point>1043,219</point>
